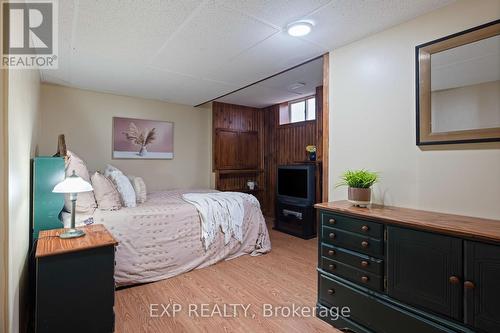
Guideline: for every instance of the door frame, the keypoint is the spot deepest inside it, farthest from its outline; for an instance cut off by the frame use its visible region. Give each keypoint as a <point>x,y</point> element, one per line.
<point>4,211</point>
<point>325,125</point>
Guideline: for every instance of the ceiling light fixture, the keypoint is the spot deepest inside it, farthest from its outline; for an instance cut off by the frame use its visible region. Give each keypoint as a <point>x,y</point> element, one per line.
<point>299,28</point>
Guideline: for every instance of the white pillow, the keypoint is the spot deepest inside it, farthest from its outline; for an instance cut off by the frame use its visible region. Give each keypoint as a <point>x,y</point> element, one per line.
<point>124,187</point>
<point>109,169</point>
<point>139,187</point>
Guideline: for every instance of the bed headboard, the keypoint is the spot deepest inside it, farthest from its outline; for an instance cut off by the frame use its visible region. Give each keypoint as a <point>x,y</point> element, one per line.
<point>46,206</point>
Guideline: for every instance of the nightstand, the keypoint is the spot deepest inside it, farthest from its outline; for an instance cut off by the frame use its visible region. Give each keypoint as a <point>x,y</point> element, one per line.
<point>75,285</point>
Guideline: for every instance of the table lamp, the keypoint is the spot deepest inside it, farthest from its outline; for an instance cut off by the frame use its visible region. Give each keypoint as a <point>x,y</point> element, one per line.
<point>72,185</point>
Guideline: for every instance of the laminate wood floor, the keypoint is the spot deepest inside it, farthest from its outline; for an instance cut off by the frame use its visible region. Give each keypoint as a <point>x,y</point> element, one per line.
<point>285,276</point>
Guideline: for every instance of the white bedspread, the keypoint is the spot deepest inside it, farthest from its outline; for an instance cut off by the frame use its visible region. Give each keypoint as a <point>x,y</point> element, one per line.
<point>220,211</point>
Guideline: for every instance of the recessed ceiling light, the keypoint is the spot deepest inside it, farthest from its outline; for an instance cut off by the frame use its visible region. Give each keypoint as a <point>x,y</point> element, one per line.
<point>299,28</point>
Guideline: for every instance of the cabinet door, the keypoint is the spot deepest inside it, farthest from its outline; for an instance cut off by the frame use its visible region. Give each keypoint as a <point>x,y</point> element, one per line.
<point>248,150</point>
<point>419,268</point>
<point>482,297</point>
<point>226,149</point>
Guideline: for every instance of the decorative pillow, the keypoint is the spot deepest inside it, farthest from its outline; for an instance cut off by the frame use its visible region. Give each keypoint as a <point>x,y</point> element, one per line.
<point>85,202</point>
<point>124,187</point>
<point>109,169</point>
<point>105,192</point>
<point>139,188</point>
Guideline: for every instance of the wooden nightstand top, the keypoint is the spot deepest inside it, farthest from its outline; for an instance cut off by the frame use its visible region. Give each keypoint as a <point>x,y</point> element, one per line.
<point>49,244</point>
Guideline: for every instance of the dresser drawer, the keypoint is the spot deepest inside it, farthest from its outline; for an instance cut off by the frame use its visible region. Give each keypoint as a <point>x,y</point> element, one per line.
<point>363,278</point>
<point>363,227</point>
<point>352,241</point>
<point>375,314</point>
<point>357,260</point>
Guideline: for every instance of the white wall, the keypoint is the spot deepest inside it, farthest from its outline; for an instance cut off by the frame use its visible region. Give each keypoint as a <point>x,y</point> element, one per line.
<point>372,121</point>
<point>23,133</point>
<point>85,117</point>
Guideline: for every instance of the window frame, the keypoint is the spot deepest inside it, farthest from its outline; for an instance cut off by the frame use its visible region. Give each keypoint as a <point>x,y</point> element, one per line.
<point>303,99</point>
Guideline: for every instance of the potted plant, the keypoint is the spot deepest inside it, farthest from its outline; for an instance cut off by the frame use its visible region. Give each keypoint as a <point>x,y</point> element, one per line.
<point>311,152</point>
<point>359,184</point>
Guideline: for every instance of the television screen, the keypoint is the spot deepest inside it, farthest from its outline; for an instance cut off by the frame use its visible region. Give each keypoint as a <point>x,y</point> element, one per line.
<point>292,182</point>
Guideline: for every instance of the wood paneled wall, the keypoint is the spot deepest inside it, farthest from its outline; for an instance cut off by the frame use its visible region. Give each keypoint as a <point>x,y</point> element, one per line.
<point>236,117</point>
<point>238,148</point>
<point>286,144</point>
<point>271,122</point>
<point>277,145</point>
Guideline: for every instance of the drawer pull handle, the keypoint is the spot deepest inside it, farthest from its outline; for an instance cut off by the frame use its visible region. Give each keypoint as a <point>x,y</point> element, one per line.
<point>364,263</point>
<point>364,244</point>
<point>331,291</point>
<point>365,228</point>
<point>365,279</point>
<point>331,267</point>
<point>331,235</point>
<point>331,252</point>
<point>331,221</point>
<point>469,285</point>
<point>454,280</point>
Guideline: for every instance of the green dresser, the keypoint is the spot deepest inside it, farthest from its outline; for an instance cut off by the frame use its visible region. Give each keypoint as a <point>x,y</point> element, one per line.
<point>47,172</point>
<point>402,270</point>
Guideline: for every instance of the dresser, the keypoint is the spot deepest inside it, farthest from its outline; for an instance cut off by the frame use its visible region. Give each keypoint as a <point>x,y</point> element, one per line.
<point>75,282</point>
<point>403,270</point>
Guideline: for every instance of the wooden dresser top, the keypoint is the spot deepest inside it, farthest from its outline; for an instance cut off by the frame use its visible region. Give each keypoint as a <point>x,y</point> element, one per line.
<point>49,244</point>
<point>454,225</point>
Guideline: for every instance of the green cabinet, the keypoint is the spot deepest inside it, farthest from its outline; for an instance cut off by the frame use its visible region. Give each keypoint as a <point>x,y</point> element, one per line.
<point>482,286</point>
<point>396,275</point>
<point>423,269</point>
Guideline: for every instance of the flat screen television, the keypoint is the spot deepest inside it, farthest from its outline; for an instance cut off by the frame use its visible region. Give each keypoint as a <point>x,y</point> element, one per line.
<point>296,184</point>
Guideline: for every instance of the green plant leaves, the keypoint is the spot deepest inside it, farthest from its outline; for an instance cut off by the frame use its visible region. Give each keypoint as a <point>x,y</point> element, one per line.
<point>358,178</point>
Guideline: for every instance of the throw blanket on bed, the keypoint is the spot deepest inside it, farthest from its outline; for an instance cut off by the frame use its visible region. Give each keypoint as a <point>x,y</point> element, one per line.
<point>222,210</point>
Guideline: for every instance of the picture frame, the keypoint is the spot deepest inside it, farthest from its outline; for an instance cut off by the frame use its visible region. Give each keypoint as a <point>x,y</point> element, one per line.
<point>134,138</point>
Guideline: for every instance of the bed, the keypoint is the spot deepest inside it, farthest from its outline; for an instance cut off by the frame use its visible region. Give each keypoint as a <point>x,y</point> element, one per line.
<point>161,238</point>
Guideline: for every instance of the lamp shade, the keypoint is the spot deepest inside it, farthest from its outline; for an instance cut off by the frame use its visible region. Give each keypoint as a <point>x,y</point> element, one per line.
<point>73,184</point>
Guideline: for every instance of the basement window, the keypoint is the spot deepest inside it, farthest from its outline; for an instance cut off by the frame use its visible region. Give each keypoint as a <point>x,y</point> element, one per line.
<point>299,111</point>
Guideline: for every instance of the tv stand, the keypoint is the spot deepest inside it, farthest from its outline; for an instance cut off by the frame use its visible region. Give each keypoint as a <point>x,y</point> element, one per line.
<point>296,220</point>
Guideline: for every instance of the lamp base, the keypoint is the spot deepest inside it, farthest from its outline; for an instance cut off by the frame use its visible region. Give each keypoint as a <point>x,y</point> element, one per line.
<point>72,233</point>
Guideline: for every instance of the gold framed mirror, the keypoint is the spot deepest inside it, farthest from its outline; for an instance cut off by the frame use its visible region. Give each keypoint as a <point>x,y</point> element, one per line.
<point>458,87</point>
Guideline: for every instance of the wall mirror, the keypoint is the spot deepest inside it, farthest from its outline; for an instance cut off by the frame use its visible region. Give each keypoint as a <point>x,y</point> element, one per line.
<point>458,87</point>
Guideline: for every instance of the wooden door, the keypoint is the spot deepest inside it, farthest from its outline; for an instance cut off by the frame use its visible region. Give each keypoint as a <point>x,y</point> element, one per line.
<point>482,286</point>
<point>226,154</point>
<point>248,150</point>
<point>422,268</point>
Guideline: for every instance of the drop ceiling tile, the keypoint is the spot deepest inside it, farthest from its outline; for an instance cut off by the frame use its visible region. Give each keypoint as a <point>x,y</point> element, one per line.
<point>212,36</point>
<point>129,29</point>
<point>259,96</point>
<point>270,57</point>
<point>66,22</point>
<point>311,74</point>
<point>344,21</point>
<point>277,12</point>
<point>108,76</point>
<point>203,49</point>
<point>276,89</point>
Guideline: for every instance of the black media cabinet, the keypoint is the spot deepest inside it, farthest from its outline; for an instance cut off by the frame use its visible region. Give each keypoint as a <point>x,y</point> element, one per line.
<point>296,220</point>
